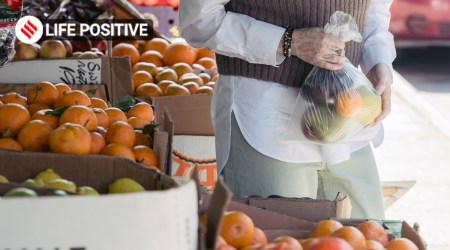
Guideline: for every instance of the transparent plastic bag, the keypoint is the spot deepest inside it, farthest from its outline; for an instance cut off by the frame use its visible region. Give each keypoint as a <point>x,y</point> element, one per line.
<point>10,12</point>
<point>336,106</point>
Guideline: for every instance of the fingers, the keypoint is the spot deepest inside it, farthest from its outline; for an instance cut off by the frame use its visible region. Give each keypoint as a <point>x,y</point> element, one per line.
<point>334,59</point>
<point>328,65</point>
<point>385,105</point>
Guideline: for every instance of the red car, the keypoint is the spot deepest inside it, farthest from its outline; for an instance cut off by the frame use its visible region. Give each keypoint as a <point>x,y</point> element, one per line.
<point>420,23</point>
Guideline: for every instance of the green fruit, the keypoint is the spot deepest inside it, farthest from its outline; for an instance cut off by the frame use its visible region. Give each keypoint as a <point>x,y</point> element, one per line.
<point>87,191</point>
<point>21,192</point>
<point>37,182</point>
<point>321,123</point>
<point>57,193</point>
<point>62,184</point>
<point>47,176</point>
<point>371,107</point>
<point>125,185</point>
<point>3,179</point>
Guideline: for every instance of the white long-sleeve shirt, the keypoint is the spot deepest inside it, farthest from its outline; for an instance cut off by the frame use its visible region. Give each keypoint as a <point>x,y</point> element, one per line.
<point>263,108</point>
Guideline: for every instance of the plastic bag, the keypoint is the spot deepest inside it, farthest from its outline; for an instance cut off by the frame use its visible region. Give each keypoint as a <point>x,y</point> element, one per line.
<point>336,106</point>
<point>10,11</point>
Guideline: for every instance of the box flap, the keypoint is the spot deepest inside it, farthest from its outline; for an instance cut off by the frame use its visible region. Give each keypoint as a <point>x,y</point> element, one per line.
<point>411,234</point>
<point>119,83</point>
<point>191,114</point>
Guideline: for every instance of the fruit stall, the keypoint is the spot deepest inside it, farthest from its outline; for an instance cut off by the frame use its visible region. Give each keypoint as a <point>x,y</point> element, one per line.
<point>109,144</point>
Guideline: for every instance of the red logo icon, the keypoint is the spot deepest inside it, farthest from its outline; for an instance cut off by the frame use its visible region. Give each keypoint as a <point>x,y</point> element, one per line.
<point>29,29</point>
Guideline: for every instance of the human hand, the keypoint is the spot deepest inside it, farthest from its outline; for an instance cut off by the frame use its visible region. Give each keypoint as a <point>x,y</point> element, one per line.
<point>315,47</point>
<point>381,77</point>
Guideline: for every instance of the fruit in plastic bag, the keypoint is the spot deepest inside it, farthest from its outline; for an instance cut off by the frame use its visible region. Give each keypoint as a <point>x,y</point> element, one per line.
<point>322,123</point>
<point>371,106</point>
<point>348,102</point>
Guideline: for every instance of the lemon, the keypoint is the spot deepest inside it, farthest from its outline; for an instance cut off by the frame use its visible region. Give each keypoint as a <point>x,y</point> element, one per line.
<point>47,176</point>
<point>62,184</point>
<point>87,191</point>
<point>57,192</point>
<point>37,182</point>
<point>3,179</point>
<point>21,192</point>
<point>125,185</point>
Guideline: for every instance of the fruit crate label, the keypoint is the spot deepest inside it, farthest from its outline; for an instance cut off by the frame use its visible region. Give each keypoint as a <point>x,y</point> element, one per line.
<point>69,71</point>
<point>9,12</point>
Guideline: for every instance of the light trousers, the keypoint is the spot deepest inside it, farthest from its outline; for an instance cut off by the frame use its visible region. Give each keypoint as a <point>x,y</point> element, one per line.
<point>248,172</point>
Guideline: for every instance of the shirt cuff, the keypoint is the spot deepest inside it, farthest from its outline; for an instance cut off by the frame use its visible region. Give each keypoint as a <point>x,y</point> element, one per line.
<point>374,55</point>
<point>262,44</point>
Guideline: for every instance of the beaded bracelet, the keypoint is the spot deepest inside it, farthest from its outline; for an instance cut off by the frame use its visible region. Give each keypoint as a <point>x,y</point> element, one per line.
<point>287,39</point>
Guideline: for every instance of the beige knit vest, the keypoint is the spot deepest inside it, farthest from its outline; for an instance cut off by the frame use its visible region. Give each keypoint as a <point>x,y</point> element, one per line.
<point>297,14</point>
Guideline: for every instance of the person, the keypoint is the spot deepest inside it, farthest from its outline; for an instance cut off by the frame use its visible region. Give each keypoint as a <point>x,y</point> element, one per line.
<point>259,82</point>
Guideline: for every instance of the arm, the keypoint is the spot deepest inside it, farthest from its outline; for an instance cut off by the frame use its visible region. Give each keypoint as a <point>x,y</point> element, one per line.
<point>205,23</point>
<point>379,52</point>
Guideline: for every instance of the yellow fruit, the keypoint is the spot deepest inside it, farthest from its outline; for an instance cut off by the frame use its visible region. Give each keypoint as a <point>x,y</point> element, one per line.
<point>3,179</point>
<point>125,185</point>
<point>34,182</point>
<point>85,190</point>
<point>62,184</point>
<point>47,176</point>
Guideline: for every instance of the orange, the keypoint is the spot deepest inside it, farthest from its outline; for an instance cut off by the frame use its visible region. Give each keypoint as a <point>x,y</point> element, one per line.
<point>205,52</point>
<point>34,136</point>
<point>175,89</point>
<point>373,231</point>
<point>182,68</point>
<point>205,90</point>
<point>70,138</point>
<point>259,237</point>
<point>190,77</point>
<point>101,130</point>
<point>43,92</point>
<point>74,97</point>
<point>205,77</point>
<point>62,87</point>
<point>157,44</point>
<point>275,246</point>
<point>115,114</point>
<point>140,78</point>
<point>142,139</point>
<point>348,102</point>
<point>191,86</point>
<point>237,229</point>
<point>152,56</point>
<point>13,117</point>
<point>207,62</point>
<point>401,244</point>
<point>325,228</point>
<point>179,52</point>
<point>125,49</point>
<point>198,68</point>
<point>13,97</point>
<point>137,123</point>
<point>292,243</point>
<point>11,144</point>
<point>98,143</point>
<point>211,84</point>
<point>148,90</point>
<point>352,235</point>
<point>98,103</point>
<point>81,115</point>
<point>141,110</point>
<point>146,66</point>
<point>164,84</point>
<point>374,245</point>
<point>121,132</point>
<point>33,108</point>
<point>307,242</point>
<point>145,156</point>
<point>120,150</point>
<point>330,243</point>
<point>52,120</point>
<point>166,74</point>
<point>102,117</point>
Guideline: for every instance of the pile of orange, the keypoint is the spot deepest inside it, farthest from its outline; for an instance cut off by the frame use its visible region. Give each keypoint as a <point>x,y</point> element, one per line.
<point>55,118</point>
<point>161,68</point>
<point>239,232</point>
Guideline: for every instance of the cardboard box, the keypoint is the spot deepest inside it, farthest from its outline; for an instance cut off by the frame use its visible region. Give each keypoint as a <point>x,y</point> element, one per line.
<point>111,75</point>
<point>193,141</point>
<point>272,223</point>
<point>164,218</point>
